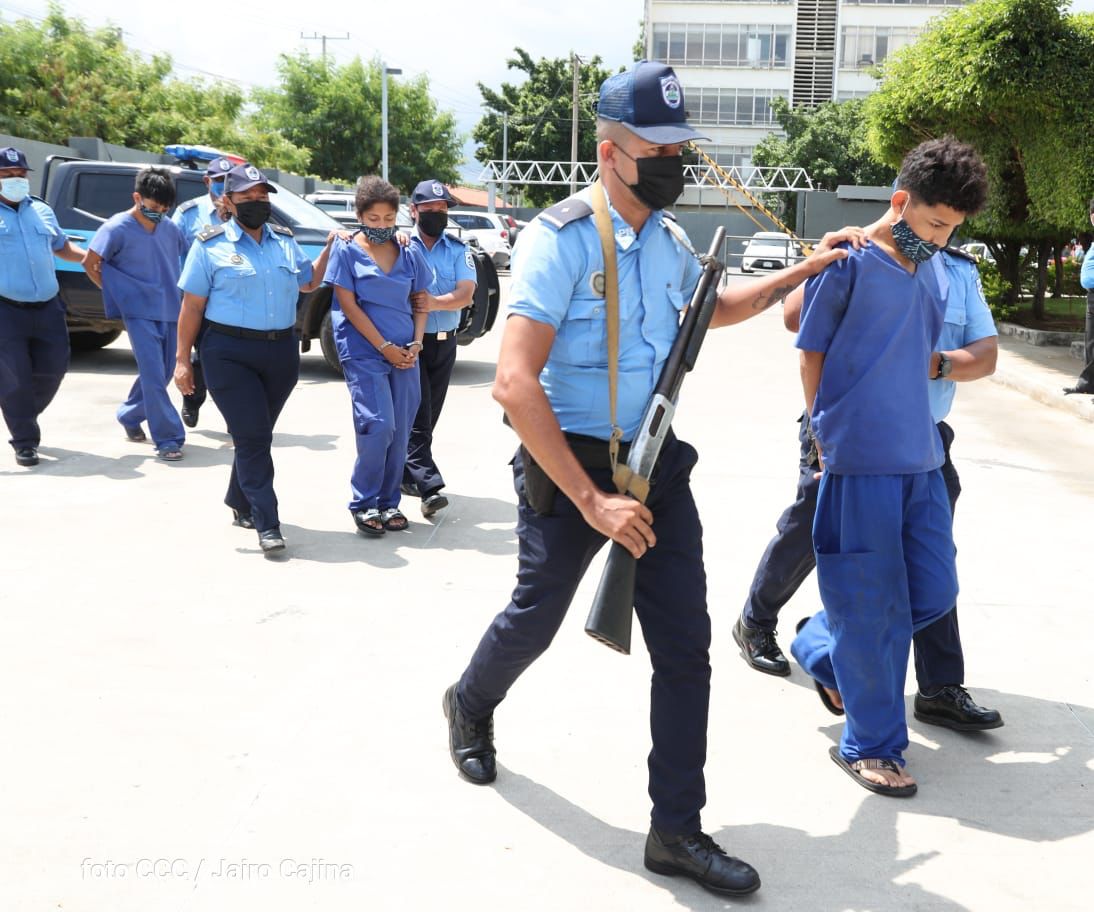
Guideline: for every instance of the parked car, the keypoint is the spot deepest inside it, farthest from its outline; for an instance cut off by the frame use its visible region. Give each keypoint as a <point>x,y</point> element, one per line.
<point>978,250</point>
<point>338,204</point>
<point>490,229</point>
<point>770,250</point>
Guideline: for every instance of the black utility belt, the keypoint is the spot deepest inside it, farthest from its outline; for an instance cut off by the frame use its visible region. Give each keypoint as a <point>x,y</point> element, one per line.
<point>592,452</point>
<point>442,335</point>
<point>25,305</point>
<point>239,332</point>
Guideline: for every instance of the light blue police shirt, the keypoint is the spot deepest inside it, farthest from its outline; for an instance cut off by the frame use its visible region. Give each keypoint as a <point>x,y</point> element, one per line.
<point>968,318</point>
<point>29,234</point>
<point>553,272</point>
<point>1086,273</point>
<point>247,284</point>
<point>192,220</point>
<point>451,262</point>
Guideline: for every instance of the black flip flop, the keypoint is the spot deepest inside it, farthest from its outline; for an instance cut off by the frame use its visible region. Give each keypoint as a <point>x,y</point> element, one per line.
<point>361,519</point>
<point>852,769</point>
<point>821,692</point>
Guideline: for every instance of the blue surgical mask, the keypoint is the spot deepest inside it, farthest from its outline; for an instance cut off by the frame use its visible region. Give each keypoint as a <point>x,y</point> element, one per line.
<point>378,235</point>
<point>153,215</point>
<point>909,243</point>
<point>216,188</point>
<point>15,189</point>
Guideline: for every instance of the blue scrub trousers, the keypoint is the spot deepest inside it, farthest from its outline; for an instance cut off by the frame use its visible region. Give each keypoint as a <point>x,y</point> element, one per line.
<point>154,343</point>
<point>886,568</point>
<point>671,605</point>
<point>384,400</point>
<point>33,361</point>
<point>250,381</point>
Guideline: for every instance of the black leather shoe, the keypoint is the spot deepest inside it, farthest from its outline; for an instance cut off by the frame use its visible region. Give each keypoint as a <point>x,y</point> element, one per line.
<point>410,489</point>
<point>190,416</point>
<point>135,434</point>
<point>243,520</point>
<point>952,707</point>
<point>471,744</point>
<point>1081,387</point>
<point>271,541</point>
<point>27,456</point>
<point>760,649</point>
<point>699,857</point>
<point>433,503</point>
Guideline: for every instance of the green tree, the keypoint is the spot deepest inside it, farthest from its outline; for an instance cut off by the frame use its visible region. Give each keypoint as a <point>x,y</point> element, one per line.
<point>996,74</point>
<point>540,112</point>
<point>335,111</point>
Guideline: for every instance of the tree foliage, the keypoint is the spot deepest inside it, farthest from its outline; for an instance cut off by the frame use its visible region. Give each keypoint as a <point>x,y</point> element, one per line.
<point>997,74</point>
<point>335,111</point>
<point>540,113</point>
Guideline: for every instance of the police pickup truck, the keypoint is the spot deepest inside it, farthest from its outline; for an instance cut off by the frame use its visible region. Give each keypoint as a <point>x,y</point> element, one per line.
<point>84,193</point>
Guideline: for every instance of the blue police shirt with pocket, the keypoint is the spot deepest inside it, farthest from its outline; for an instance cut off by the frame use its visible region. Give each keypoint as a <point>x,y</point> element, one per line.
<point>192,220</point>
<point>557,280</point>
<point>383,296</point>
<point>877,325</point>
<point>245,283</point>
<point>140,268</point>
<point>451,263</point>
<point>29,234</point>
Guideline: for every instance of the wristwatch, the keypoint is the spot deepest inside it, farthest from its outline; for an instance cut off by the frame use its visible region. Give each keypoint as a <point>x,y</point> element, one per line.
<point>945,365</point>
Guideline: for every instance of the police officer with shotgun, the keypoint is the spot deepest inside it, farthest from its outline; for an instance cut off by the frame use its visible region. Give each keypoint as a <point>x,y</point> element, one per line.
<point>599,284</point>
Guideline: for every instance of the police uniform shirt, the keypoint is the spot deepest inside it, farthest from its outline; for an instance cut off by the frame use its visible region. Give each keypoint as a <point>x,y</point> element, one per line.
<point>968,319</point>
<point>877,324</point>
<point>558,279</point>
<point>140,268</point>
<point>193,216</point>
<point>247,284</point>
<point>29,234</point>
<point>451,263</point>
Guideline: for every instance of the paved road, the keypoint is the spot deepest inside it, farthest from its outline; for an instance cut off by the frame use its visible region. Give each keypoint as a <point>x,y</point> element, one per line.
<point>189,726</point>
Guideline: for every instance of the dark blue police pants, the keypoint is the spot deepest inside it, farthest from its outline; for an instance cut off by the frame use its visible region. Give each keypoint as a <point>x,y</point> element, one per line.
<point>250,380</point>
<point>33,361</point>
<point>670,601</point>
<point>435,366</point>
<point>789,559</point>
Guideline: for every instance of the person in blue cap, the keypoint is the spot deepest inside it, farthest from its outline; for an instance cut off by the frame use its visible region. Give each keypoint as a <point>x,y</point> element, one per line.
<point>378,335</point>
<point>552,382</point>
<point>33,336</point>
<point>135,259</point>
<point>883,532</point>
<point>193,217</point>
<point>241,280</point>
<point>451,290</point>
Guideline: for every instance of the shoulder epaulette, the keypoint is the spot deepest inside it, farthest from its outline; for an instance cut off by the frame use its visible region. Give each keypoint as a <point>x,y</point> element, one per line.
<point>209,232</point>
<point>962,254</point>
<point>569,210</point>
<point>668,215</point>
<point>280,229</point>
<point>189,204</point>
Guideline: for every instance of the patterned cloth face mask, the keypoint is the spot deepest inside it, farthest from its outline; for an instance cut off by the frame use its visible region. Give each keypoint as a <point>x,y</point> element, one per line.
<point>909,243</point>
<point>378,235</point>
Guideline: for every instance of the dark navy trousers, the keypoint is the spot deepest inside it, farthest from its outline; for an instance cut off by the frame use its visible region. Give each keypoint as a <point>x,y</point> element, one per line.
<point>435,365</point>
<point>33,361</point>
<point>670,601</point>
<point>250,380</point>
<point>789,559</point>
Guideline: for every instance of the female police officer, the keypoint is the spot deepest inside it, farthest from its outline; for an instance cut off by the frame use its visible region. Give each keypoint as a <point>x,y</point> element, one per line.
<point>244,277</point>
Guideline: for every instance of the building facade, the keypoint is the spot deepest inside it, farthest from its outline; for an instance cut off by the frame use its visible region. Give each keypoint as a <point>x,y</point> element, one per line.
<point>734,56</point>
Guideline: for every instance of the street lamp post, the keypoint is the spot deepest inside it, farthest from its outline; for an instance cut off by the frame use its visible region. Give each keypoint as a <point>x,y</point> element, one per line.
<point>384,71</point>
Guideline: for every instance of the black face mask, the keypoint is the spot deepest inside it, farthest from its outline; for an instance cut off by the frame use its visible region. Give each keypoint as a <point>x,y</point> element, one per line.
<point>432,223</point>
<point>253,213</point>
<point>660,180</point>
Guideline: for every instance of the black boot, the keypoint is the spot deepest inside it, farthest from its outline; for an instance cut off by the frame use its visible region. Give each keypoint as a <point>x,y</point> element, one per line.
<point>471,743</point>
<point>699,857</point>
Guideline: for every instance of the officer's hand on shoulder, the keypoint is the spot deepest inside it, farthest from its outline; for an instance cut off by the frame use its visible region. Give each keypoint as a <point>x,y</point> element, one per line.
<point>827,251</point>
<point>622,519</point>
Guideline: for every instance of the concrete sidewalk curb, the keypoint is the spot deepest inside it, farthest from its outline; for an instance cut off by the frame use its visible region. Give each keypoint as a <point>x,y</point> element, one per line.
<point>1042,392</point>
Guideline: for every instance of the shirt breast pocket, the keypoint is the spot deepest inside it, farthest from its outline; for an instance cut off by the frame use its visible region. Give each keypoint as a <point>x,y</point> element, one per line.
<point>583,337</point>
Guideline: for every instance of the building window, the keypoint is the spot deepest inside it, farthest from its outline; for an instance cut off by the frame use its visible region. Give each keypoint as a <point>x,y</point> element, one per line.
<point>864,46</point>
<point>717,45</point>
<point>891,2</point>
<point>728,156</point>
<point>731,107</point>
<point>852,96</point>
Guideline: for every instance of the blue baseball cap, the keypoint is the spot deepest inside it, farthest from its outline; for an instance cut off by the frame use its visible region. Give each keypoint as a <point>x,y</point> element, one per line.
<point>218,168</point>
<point>10,157</point>
<point>429,191</point>
<point>243,177</point>
<point>649,101</point>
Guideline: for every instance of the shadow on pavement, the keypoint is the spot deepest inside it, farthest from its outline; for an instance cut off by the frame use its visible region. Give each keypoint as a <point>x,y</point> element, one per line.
<point>104,361</point>
<point>74,464</point>
<point>474,373</point>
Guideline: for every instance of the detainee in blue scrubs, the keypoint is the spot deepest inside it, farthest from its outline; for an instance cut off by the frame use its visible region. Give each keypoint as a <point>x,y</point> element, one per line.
<point>883,531</point>
<point>135,258</point>
<point>379,338</point>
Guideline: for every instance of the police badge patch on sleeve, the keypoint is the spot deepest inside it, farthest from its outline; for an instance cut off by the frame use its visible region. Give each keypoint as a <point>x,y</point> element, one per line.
<point>469,259</point>
<point>597,283</point>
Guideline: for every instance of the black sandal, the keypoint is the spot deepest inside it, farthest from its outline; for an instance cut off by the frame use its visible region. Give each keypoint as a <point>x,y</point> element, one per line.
<point>369,522</point>
<point>394,520</point>
<point>853,767</point>
<point>825,699</point>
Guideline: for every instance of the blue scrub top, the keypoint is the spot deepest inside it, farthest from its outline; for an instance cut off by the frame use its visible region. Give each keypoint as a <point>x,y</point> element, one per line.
<point>451,263</point>
<point>245,283</point>
<point>553,272</point>
<point>194,216</point>
<point>877,324</point>
<point>968,319</point>
<point>140,268</point>
<point>29,234</point>
<point>383,296</point>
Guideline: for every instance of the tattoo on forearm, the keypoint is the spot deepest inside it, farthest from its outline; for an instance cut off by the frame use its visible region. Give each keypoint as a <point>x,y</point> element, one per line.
<point>764,301</point>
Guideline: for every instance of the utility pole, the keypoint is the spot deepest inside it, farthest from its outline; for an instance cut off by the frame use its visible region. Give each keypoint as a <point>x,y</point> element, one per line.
<point>504,152</point>
<point>384,71</point>
<point>576,63</point>
<point>315,36</point>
